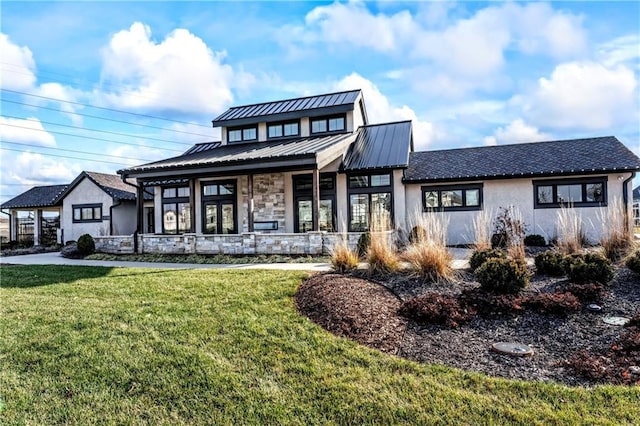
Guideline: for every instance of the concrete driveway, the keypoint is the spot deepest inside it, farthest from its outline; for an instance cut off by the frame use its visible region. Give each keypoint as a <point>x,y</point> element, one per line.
<point>460,261</point>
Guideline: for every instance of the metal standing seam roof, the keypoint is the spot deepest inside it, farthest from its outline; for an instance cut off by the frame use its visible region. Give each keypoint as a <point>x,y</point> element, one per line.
<point>227,155</point>
<point>563,157</point>
<point>38,196</point>
<point>275,108</point>
<point>380,146</point>
<point>205,146</point>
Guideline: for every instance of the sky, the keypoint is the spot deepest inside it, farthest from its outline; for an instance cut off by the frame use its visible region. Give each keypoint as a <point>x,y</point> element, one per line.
<point>100,86</point>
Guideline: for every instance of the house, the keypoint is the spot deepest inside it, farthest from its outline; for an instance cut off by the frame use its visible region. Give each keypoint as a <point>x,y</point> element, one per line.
<point>636,207</point>
<point>34,216</point>
<point>94,203</point>
<point>292,176</point>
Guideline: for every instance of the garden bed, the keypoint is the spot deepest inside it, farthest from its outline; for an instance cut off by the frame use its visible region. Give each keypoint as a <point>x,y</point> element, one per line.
<point>339,302</point>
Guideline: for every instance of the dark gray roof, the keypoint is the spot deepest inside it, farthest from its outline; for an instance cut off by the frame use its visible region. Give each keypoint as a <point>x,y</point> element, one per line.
<point>247,156</point>
<point>564,157</point>
<point>289,109</point>
<point>636,193</point>
<point>111,184</point>
<point>38,196</point>
<point>199,147</point>
<point>380,146</point>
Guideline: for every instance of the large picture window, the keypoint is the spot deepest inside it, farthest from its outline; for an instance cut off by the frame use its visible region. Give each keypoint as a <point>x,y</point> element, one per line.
<point>176,210</point>
<point>370,199</point>
<point>87,213</point>
<point>303,201</point>
<point>585,192</point>
<point>219,207</point>
<point>452,198</point>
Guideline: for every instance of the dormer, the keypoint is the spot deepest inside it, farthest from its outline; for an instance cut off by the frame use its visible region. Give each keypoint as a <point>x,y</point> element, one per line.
<point>311,116</point>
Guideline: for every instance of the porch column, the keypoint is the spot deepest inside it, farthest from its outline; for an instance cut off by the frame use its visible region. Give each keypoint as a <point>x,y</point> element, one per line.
<point>139,208</point>
<point>250,201</point>
<point>37,226</point>
<point>315,199</point>
<point>192,204</point>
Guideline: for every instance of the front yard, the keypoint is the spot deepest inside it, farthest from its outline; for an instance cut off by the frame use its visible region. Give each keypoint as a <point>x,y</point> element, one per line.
<point>85,345</point>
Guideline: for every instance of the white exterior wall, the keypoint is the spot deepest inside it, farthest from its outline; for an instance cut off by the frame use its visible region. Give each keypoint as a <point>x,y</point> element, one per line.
<point>519,193</point>
<point>123,221</point>
<point>399,200</point>
<point>86,192</point>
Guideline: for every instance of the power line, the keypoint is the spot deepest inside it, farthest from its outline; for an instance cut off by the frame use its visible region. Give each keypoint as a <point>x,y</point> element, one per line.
<point>64,156</point>
<point>99,131</point>
<point>102,108</point>
<point>103,118</point>
<point>81,136</point>
<point>74,151</point>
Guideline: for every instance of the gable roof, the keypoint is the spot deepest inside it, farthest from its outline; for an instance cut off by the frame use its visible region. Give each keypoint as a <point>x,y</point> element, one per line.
<point>111,184</point>
<point>331,103</point>
<point>38,196</point>
<point>380,146</point>
<point>292,154</point>
<point>564,157</point>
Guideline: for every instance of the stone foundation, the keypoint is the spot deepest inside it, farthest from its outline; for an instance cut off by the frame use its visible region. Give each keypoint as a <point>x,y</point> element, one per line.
<point>310,243</point>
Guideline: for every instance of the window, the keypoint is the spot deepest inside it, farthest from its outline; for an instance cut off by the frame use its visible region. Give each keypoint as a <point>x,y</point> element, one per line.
<point>369,199</point>
<point>87,212</point>
<point>328,124</point>
<point>303,201</point>
<point>242,134</point>
<point>283,130</point>
<point>176,210</point>
<point>586,192</point>
<point>452,198</point>
<point>219,207</point>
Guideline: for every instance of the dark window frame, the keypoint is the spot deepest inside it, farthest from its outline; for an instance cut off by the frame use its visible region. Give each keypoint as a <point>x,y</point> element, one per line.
<point>242,129</point>
<point>219,200</point>
<point>175,201</point>
<point>326,119</point>
<point>281,124</point>
<point>443,188</point>
<point>583,182</point>
<point>307,195</point>
<point>368,190</point>
<point>75,207</point>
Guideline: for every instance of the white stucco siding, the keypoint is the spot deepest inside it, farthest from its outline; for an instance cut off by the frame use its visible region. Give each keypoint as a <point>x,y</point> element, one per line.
<point>86,192</point>
<point>518,193</point>
<point>399,201</point>
<point>123,220</point>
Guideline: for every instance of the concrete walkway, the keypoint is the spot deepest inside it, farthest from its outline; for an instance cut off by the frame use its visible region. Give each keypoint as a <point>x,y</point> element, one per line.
<point>460,262</point>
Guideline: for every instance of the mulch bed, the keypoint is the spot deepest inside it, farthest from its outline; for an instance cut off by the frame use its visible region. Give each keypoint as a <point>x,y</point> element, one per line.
<point>367,312</point>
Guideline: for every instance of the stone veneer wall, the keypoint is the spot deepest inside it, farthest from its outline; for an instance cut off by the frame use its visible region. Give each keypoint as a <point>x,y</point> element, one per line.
<point>268,199</point>
<point>311,243</point>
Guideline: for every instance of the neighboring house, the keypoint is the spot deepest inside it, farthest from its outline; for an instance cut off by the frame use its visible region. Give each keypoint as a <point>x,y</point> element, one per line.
<point>288,175</point>
<point>636,206</point>
<point>94,203</point>
<point>34,215</point>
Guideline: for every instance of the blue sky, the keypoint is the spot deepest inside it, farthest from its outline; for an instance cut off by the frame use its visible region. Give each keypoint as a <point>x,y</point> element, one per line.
<point>466,73</point>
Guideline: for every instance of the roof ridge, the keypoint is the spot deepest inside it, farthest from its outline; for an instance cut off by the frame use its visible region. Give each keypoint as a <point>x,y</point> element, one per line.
<point>386,124</point>
<point>294,99</point>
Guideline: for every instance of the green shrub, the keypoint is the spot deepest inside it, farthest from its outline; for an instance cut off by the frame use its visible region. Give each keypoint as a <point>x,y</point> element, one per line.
<point>551,263</point>
<point>502,275</point>
<point>86,245</point>
<point>534,240</point>
<point>363,244</point>
<point>480,256</point>
<point>589,267</point>
<point>633,261</point>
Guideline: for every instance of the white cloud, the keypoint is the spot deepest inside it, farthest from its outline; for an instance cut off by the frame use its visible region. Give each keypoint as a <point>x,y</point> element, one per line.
<point>25,131</point>
<point>380,110</point>
<point>516,132</point>
<point>620,50</point>
<point>17,66</point>
<point>33,168</point>
<point>65,96</point>
<point>583,95</point>
<point>181,73</point>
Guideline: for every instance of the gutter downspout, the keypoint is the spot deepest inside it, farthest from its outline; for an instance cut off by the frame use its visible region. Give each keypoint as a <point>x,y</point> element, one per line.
<point>10,222</point>
<point>625,200</point>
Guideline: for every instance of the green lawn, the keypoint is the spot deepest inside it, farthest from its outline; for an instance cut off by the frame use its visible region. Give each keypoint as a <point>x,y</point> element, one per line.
<point>134,346</point>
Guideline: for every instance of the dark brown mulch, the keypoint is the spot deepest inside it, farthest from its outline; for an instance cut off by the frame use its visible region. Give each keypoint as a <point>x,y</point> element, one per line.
<point>366,312</point>
<point>353,308</point>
